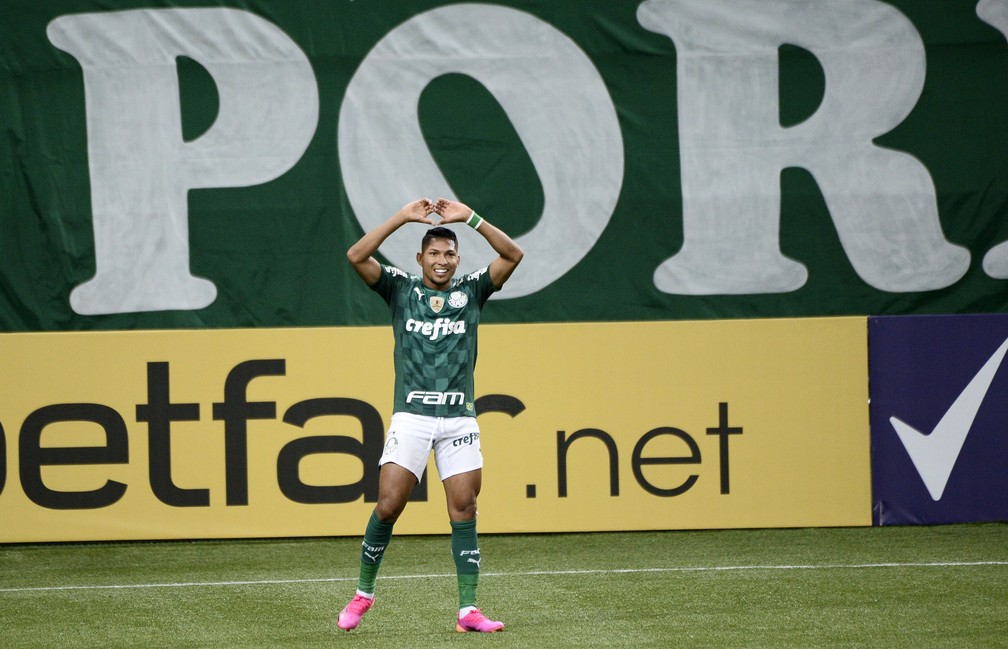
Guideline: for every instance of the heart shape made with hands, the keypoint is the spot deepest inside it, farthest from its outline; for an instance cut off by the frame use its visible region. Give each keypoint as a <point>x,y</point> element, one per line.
<point>449,211</point>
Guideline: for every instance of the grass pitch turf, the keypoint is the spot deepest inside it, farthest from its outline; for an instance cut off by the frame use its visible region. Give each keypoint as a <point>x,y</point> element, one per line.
<point>942,586</point>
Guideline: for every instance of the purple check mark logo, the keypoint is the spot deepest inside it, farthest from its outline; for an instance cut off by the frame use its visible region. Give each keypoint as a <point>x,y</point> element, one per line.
<point>936,453</point>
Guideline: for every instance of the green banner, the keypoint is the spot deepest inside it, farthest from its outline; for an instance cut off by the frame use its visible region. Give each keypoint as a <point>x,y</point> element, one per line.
<point>178,165</point>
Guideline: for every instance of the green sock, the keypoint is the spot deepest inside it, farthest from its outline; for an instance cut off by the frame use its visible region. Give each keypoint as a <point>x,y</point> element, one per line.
<point>376,539</point>
<point>465,551</point>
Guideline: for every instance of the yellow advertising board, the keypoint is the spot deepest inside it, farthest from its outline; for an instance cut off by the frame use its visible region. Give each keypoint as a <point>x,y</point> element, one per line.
<point>277,432</point>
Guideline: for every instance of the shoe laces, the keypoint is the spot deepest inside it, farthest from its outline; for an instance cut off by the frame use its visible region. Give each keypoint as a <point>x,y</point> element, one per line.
<point>359,604</point>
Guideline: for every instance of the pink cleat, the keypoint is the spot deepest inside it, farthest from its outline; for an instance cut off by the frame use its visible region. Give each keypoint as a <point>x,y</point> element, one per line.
<point>351,615</point>
<point>476,621</point>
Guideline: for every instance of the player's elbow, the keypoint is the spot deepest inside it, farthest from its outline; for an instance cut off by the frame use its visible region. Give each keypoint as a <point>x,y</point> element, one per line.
<point>355,257</point>
<point>516,254</point>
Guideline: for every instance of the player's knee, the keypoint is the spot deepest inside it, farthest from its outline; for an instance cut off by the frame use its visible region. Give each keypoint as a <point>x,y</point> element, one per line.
<point>388,509</point>
<point>462,509</point>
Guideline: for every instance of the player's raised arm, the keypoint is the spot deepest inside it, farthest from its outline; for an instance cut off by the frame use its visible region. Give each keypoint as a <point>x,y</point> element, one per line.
<point>361,254</point>
<point>509,253</point>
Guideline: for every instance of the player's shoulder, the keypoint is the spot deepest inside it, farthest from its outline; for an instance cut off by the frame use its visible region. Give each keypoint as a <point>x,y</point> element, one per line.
<point>473,277</point>
<point>394,282</point>
<point>395,272</point>
<point>398,276</point>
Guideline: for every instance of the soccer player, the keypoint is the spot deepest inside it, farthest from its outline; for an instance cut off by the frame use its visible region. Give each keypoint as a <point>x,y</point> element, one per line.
<point>434,322</point>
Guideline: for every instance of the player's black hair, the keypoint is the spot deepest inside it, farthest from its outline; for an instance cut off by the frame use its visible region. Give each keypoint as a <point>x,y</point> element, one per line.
<point>438,232</point>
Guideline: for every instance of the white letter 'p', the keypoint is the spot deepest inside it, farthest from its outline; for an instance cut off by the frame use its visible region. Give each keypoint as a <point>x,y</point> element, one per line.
<point>141,168</point>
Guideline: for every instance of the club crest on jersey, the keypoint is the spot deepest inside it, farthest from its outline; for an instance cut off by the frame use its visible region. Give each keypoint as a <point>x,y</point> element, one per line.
<point>458,299</point>
<point>437,303</point>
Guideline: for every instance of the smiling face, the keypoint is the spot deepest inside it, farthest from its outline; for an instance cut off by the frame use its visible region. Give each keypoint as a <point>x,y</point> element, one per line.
<point>439,261</point>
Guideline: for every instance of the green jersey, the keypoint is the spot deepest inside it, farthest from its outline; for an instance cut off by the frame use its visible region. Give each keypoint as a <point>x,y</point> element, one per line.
<point>435,341</point>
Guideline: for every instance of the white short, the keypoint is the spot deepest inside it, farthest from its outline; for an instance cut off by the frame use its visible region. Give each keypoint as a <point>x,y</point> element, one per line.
<point>454,440</point>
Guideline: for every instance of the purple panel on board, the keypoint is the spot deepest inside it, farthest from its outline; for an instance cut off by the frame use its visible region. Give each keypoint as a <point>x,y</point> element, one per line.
<point>928,378</point>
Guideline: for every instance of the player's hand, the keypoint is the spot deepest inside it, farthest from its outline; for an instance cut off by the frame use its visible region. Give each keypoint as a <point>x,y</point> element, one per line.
<point>418,211</point>
<point>452,211</point>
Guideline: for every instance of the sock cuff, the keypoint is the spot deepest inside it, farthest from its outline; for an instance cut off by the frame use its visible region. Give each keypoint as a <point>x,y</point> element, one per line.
<point>379,525</point>
<point>463,526</point>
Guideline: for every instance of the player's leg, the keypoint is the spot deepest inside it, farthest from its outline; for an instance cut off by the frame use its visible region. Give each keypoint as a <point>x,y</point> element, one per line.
<point>460,461</point>
<point>461,491</point>
<point>394,486</point>
<point>403,462</point>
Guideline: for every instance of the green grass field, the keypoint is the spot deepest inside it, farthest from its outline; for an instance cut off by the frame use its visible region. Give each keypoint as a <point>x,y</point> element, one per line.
<point>943,586</point>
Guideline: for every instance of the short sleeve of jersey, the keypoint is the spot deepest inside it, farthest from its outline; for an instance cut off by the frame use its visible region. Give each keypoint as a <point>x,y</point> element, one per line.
<point>480,284</point>
<point>390,282</point>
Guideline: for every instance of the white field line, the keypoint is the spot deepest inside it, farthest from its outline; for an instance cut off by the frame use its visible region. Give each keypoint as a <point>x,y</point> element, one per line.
<point>531,573</point>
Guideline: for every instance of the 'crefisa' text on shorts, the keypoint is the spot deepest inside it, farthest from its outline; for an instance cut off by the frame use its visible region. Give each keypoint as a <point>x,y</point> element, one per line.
<point>454,440</point>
